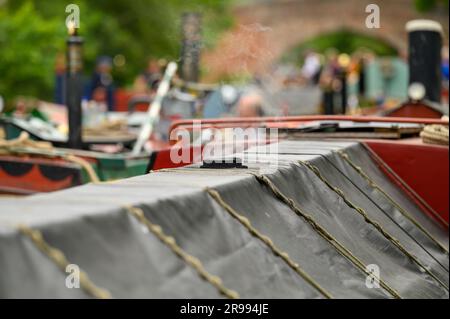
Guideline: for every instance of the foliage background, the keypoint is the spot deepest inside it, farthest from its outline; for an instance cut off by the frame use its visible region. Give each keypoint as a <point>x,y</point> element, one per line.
<point>427,5</point>
<point>33,32</point>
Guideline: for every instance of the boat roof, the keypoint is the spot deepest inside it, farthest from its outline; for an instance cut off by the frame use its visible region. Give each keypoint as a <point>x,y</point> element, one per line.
<point>284,227</point>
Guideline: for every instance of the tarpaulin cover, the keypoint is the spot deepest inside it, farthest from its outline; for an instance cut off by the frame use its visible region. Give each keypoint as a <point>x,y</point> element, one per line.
<point>92,228</point>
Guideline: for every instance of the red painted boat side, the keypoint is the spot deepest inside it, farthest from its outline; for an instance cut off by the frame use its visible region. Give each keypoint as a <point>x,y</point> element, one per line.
<point>424,167</point>
<point>294,121</point>
<point>33,180</point>
<point>162,159</point>
<point>415,111</point>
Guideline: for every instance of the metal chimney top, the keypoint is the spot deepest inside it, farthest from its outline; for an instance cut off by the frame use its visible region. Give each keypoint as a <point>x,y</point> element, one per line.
<point>424,25</point>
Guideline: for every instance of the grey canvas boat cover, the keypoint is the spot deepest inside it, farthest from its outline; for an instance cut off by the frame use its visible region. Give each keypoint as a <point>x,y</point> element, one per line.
<point>301,223</point>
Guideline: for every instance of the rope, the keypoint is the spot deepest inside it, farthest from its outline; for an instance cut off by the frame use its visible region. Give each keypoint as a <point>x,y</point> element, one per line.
<point>23,140</point>
<point>368,220</point>
<point>85,165</point>
<point>60,260</point>
<point>323,232</point>
<point>435,134</point>
<point>25,145</point>
<point>108,128</point>
<point>407,215</point>
<point>266,240</point>
<point>190,260</point>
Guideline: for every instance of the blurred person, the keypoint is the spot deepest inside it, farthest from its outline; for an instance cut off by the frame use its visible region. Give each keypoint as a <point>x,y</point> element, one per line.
<point>94,110</point>
<point>344,61</point>
<point>140,87</point>
<point>163,63</point>
<point>355,68</point>
<point>102,79</point>
<point>332,61</point>
<point>60,78</point>
<point>355,74</point>
<point>362,63</point>
<point>328,81</point>
<point>147,82</point>
<point>100,95</point>
<point>153,73</point>
<point>250,105</point>
<point>311,68</point>
<point>445,58</point>
<point>445,75</point>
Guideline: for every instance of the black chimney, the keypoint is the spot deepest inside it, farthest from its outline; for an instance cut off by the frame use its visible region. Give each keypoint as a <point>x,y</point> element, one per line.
<point>191,26</point>
<point>425,45</point>
<point>74,88</point>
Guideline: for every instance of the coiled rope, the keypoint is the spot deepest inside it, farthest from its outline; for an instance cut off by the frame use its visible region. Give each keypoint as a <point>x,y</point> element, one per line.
<point>23,140</point>
<point>435,134</point>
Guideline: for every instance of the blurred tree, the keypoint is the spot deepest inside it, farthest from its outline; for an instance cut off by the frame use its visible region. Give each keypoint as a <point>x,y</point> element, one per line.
<point>32,32</point>
<point>427,5</point>
<point>28,44</point>
<point>343,41</point>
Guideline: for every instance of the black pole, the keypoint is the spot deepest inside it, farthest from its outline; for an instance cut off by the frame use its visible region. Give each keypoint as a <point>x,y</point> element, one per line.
<point>344,97</point>
<point>425,45</point>
<point>191,46</point>
<point>362,78</point>
<point>74,88</point>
